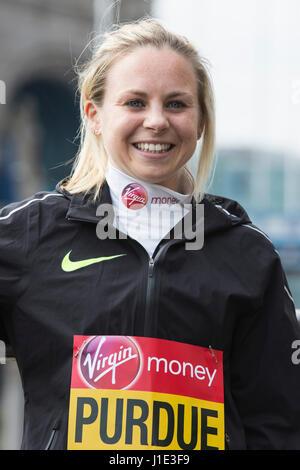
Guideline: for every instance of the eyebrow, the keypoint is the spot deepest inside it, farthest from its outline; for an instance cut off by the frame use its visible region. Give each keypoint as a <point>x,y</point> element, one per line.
<point>170,95</point>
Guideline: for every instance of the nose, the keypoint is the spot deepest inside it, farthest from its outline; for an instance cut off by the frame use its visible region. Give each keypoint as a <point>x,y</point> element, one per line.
<point>156,119</point>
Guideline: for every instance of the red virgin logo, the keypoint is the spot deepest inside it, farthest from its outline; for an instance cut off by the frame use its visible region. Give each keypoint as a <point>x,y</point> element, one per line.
<point>134,196</point>
<point>109,362</point>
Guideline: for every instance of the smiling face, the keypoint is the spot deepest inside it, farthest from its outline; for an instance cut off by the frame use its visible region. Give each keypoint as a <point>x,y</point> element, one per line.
<point>149,119</point>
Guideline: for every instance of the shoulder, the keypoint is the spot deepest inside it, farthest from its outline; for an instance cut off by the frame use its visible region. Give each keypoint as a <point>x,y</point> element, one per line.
<point>250,238</point>
<point>228,206</point>
<point>43,200</point>
<point>23,223</point>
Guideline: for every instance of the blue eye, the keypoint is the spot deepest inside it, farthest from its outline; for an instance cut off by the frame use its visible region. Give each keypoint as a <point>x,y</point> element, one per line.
<point>134,103</point>
<point>176,104</point>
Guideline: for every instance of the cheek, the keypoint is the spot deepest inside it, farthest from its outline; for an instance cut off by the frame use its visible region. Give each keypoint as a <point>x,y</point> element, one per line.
<point>123,129</point>
<point>185,123</point>
<point>187,130</point>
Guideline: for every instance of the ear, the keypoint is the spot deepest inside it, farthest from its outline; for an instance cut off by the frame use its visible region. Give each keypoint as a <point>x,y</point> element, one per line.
<point>93,116</point>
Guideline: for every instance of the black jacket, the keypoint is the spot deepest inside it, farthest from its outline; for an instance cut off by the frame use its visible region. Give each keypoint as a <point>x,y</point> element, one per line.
<point>230,295</point>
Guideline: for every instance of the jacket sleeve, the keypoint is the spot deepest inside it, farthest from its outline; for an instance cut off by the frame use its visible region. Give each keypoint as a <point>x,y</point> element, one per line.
<point>265,372</point>
<point>14,260</point>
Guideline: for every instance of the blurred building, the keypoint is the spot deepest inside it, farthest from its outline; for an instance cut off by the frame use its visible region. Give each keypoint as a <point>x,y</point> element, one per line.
<point>267,185</point>
<point>40,42</point>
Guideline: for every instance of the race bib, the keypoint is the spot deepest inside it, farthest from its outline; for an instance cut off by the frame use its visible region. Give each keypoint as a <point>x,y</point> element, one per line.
<point>136,393</point>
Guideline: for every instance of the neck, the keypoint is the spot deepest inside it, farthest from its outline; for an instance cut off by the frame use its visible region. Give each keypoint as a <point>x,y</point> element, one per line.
<point>182,183</point>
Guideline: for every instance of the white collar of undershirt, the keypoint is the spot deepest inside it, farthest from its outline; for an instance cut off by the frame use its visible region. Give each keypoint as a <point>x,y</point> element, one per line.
<point>117,181</point>
<point>142,210</point>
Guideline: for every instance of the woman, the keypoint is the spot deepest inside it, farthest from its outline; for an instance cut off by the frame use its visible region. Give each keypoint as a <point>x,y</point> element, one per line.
<point>128,338</point>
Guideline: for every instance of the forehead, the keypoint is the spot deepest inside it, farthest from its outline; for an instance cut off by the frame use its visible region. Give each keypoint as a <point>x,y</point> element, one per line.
<point>151,67</point>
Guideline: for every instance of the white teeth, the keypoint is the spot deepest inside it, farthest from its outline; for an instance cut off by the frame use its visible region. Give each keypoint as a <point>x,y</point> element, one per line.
<point>153,147</point>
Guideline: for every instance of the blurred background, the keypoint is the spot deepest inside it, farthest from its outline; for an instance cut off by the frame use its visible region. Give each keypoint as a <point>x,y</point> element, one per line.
<point>253,51</point>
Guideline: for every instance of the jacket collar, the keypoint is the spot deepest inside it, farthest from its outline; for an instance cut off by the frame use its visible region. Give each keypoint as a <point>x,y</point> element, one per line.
<point>223,213</point>
<point>219,213</point>
<point>82,205</point>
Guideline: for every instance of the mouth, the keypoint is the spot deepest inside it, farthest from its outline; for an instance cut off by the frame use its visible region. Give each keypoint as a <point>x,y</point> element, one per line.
<point>158,148</point>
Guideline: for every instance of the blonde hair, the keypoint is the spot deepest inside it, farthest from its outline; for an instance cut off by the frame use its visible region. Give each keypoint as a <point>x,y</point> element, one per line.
<point>88,172</point>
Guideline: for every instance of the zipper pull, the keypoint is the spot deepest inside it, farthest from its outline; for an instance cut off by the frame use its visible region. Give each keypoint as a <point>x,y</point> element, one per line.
<point>151,266</point>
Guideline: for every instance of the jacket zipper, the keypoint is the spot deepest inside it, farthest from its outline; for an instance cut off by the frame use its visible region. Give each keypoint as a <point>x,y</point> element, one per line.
<point>150,323</point>
<point>51,439</point>
<point>149,296</point>
<point>55,429</point>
